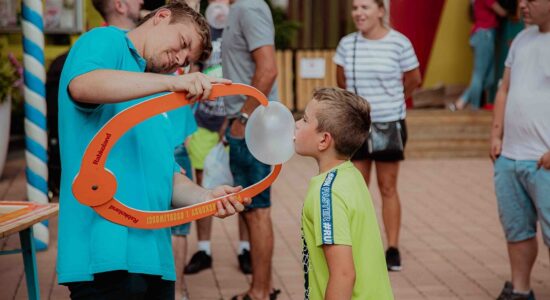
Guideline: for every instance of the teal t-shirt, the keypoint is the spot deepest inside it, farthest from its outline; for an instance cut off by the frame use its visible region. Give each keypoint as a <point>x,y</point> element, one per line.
<point>142,162</point>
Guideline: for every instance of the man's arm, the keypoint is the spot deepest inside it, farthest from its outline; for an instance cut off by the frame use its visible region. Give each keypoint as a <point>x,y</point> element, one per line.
<point>112,86</point>
<point>498,115</point>
<point>186,192</point>
<point>263,79</point>
<point>341,272</point>
<point>499,10</point>
<point>411,80</point>
<point>340,77</point>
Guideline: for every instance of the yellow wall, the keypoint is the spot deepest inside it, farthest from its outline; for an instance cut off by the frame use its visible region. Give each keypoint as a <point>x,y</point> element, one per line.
<point>451,58</point>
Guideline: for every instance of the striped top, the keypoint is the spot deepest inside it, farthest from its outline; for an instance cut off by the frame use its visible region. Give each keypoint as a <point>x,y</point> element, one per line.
<point>379,67</point>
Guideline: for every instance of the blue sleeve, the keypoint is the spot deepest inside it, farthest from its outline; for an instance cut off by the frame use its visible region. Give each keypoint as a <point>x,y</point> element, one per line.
<point>100,48</point>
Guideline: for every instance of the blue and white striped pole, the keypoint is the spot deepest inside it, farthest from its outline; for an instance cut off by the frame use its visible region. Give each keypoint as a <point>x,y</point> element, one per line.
<point>36,139</point>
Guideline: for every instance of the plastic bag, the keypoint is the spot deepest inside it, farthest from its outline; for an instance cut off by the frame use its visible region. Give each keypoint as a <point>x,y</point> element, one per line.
<point>216,168</point>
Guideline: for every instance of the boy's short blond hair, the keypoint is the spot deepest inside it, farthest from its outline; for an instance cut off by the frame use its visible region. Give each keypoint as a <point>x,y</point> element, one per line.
<point>345,116</point>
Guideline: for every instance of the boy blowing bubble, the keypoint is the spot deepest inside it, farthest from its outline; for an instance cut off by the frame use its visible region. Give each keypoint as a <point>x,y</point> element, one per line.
<point>343,254</point>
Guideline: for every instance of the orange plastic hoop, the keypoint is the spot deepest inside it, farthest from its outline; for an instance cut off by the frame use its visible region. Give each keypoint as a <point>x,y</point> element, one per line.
<point>95,186</point>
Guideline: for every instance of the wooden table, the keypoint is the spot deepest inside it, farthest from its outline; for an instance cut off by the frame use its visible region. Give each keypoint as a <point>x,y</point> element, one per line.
<point>18,217</point>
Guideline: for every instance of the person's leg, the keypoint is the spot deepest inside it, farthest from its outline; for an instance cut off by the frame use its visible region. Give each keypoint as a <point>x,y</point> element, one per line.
<point>473,93</point>
<point>179,248</point>
<point>490,79</point>
<point>386,173</point>
<point>518,218</point>
<point>364,166</point>
<point>541,187</point>
<point>204,231</point>
<point>260,230</point>
<point>204,226</point>
<point>243,231</point>
<point>486,56</point>
<point>202,259</point>
<point>522,258</point>
<point>243,251</point>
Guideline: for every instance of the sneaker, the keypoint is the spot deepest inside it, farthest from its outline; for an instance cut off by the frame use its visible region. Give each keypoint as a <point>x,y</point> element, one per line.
<point>507,293</point>
<point>393,259</point>
<point>244,262</point>
<point>199,261</point>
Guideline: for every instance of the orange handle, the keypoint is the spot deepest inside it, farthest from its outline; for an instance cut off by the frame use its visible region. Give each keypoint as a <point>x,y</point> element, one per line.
<point>95,186</point>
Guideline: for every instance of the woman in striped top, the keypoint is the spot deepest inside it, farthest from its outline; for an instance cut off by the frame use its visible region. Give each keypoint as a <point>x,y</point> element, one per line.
<point>380,65</point>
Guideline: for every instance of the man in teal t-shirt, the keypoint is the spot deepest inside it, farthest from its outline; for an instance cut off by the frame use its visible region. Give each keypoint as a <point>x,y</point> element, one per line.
<point>103,75</point>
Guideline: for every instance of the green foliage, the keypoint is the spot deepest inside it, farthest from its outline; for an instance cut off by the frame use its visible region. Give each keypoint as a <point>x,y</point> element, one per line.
<point>285,29</point>
<point>8,74</point>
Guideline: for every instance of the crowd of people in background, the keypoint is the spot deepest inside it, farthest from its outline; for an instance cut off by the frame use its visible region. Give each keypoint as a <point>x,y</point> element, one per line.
<point>374,63</point>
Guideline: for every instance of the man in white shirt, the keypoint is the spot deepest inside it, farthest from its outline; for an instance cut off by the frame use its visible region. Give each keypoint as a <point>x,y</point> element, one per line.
<point>520,146</point>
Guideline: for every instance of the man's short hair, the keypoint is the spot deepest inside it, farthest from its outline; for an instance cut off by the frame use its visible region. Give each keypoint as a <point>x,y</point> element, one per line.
<point>181,13</point>
<point>345,116</point>
<point>102,7</point>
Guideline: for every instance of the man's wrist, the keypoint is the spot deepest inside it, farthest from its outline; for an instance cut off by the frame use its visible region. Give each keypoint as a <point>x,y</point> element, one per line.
<point>243,117</point>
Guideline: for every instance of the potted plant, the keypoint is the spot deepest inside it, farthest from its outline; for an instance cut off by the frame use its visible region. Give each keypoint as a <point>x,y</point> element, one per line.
<point>10,78</point>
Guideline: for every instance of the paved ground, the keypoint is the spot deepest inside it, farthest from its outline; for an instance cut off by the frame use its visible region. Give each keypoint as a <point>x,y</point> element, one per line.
<point>452,243</point>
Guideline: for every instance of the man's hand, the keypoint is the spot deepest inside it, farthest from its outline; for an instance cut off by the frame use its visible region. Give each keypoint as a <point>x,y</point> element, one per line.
<point>227,206</point>
<point>237,129</point>
<point>496,148</point>
<point>197,85</point>
<point>544,161</point>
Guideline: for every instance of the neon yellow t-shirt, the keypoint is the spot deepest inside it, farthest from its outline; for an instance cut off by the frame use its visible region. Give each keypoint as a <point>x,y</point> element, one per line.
<point>338,210</point>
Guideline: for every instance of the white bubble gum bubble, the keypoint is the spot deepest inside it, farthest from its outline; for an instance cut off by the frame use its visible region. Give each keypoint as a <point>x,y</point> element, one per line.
<point>269,134</point>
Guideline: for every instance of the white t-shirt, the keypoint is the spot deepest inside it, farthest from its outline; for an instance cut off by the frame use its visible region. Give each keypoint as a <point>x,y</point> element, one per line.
<point>527,113</point>
<point>379,67</point>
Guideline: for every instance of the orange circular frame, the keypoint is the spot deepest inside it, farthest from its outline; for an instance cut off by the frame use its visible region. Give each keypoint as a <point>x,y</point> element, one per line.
<point>95,186</point>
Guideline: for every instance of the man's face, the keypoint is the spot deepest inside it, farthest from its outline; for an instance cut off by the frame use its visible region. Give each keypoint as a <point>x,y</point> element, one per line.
<point>169,46</point>
<point>535,12</point>
<point>306,139</point>
<point>133,9</point>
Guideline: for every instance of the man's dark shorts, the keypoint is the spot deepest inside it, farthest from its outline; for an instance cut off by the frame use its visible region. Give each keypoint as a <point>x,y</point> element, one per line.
<point>247,170</point>
<point>123,285</point>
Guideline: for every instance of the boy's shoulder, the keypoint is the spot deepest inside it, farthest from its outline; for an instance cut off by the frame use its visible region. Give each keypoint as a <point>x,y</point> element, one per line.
<point>343,182</point>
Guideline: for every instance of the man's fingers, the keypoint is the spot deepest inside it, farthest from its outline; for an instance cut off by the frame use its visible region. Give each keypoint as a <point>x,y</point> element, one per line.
<point>220,213</point>
<point>230,189</point>
<point>236,204</point>
<point>219,80</point>
<point>246,200</point>
<point>228,207</point>
<point>191,92</point>
<point>207,87</point>
<point>199,88</point>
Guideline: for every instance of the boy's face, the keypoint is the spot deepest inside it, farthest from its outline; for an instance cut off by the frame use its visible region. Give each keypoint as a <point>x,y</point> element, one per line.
<point>306,135</point>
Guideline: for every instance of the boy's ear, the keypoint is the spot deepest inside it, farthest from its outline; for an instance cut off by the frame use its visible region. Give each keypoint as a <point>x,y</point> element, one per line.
<point>325,142</point>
